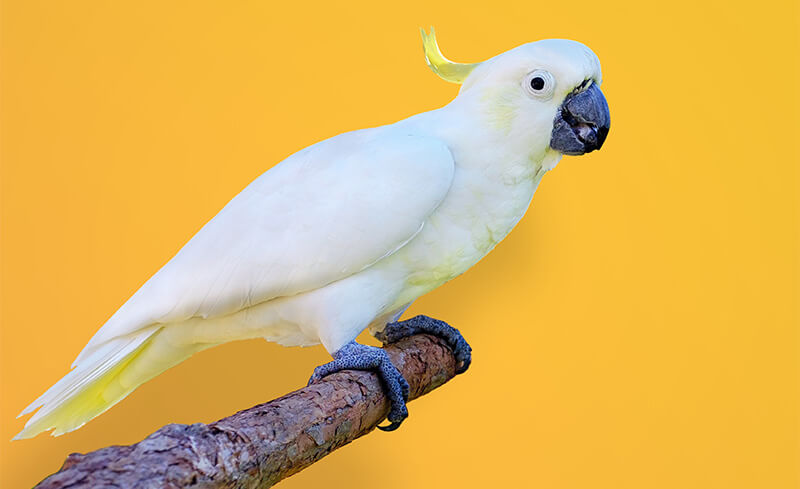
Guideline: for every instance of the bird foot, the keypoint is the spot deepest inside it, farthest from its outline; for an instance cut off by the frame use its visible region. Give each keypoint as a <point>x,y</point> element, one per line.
<point>354,356</point>
<point>424,324</point>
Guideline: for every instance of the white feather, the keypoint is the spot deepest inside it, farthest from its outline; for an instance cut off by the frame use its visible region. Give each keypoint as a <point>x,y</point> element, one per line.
<point>339,236</point>
<point>323,214</point>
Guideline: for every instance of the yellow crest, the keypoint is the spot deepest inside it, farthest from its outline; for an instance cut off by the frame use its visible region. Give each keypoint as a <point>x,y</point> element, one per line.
<point>446,69</point>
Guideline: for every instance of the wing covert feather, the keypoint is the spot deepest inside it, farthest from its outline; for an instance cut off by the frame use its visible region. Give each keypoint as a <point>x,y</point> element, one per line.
<point>324,213</point>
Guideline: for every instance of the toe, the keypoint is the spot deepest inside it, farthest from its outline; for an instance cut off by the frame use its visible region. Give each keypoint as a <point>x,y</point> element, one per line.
<point>404,387</point>
<point>319,373</point>
<point>463,355</point>
<point>424,324</point>
<point>397,415</point>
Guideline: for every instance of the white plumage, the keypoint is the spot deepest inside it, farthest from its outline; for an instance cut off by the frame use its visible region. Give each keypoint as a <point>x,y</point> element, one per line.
<point>340,236</point>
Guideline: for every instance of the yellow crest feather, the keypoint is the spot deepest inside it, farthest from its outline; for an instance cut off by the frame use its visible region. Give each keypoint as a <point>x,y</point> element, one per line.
<point>446,69</point>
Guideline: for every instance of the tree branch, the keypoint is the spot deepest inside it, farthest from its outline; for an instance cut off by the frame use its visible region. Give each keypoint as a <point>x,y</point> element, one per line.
<point>260,446</point>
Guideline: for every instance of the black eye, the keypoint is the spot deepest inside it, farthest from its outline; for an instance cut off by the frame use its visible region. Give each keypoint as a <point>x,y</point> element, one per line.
<point>539,84</point>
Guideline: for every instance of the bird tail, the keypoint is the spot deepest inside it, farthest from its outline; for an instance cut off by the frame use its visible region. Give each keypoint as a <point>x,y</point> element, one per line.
<point>102,379</point>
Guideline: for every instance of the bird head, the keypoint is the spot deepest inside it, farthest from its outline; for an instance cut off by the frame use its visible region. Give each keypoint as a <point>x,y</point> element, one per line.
<point>545,93</point>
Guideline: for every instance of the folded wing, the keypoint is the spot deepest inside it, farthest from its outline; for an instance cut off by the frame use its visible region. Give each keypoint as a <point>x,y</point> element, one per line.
<point>325,213</point>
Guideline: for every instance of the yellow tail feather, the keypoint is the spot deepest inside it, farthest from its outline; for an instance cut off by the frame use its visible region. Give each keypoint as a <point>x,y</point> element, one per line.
<point>89,402</point>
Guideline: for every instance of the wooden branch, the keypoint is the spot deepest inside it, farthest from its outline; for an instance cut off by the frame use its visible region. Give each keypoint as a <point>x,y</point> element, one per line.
<point>260,446</point>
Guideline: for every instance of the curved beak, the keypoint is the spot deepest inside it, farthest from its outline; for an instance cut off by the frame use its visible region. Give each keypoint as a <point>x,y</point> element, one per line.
<point>582,122</point>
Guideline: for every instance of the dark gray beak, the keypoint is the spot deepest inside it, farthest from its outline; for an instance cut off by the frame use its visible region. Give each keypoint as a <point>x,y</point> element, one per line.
<point>582,122</point>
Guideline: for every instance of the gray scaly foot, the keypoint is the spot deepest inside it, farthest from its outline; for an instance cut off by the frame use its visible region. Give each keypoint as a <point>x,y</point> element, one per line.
<point>423,324</point>
<point>354,356</point>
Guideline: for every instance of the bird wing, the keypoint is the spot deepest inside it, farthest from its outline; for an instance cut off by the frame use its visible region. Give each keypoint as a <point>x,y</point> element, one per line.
<point>326,212</point>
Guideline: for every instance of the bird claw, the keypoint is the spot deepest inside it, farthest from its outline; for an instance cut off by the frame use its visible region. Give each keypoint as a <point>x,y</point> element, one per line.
<point>424,324</point>
<point>315,377</point>
<point>353,356</point>
<point>390,427</point>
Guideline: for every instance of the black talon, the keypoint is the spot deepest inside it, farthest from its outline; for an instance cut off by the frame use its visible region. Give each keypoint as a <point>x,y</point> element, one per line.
<point>423,324</point>
<point>391,427</point>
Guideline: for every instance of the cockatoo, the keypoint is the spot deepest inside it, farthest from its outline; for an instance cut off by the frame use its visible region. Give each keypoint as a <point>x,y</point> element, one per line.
<point>345,234</point>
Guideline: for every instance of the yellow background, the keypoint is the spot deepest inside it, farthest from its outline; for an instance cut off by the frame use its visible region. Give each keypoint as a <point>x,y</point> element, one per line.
<point>637,330</point>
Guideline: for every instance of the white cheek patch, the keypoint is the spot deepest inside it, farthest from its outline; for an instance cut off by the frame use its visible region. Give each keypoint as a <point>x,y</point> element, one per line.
<point>501,107</point>
<point>551,159</point>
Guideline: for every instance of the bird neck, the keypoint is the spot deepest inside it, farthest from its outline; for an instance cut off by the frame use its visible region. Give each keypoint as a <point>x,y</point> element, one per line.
<point>480,145</point>
<point>495,178</point>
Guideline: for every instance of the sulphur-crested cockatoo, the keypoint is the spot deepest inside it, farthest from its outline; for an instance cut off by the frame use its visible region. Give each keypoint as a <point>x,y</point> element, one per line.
<point>346,233</point>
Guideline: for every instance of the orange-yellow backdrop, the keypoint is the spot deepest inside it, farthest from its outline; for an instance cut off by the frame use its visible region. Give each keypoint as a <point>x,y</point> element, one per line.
<point>637,330</point>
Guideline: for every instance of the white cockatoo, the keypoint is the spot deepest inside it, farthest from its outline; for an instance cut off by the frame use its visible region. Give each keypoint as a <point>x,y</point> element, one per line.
<point>346,233</point>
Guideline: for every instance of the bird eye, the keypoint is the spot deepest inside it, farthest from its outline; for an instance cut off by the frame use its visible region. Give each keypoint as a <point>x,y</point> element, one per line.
<point>540,84</point>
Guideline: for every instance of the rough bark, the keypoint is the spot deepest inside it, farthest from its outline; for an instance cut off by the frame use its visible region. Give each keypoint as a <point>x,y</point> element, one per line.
<point>260,446</point>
